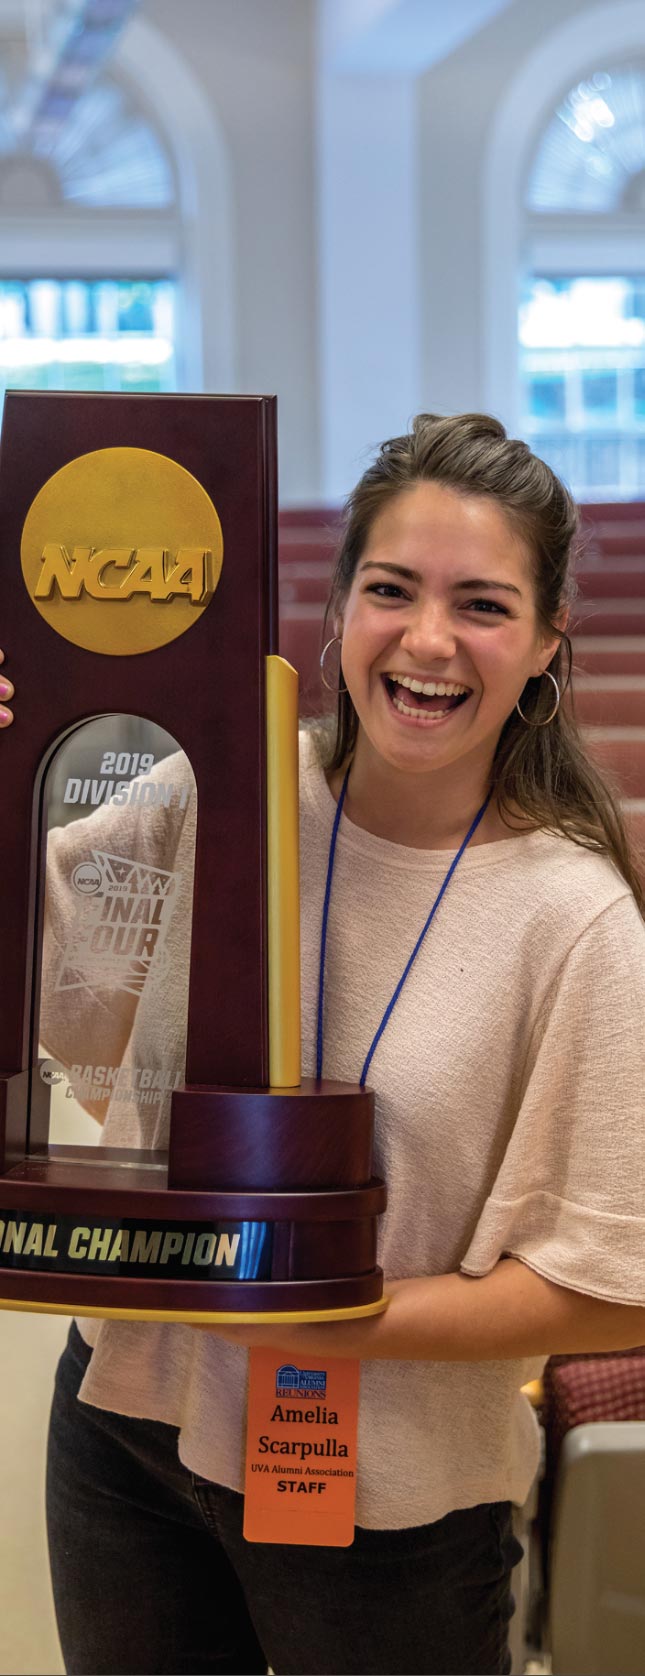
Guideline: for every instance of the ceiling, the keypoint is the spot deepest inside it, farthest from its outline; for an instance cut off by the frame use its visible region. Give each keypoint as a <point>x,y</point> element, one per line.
<point>399,37</point>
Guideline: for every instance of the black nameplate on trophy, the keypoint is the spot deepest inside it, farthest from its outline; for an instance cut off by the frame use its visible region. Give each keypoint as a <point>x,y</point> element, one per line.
<point>133,1247</point>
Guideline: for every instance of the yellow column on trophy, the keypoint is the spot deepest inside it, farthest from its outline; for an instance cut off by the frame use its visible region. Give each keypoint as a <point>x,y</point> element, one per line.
<point>283,899</point>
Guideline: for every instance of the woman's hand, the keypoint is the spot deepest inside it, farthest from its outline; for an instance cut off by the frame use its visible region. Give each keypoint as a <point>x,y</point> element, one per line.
<point>6,692</point>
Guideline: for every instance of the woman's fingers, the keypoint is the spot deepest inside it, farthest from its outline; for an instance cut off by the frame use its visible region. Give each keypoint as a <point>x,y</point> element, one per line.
<point>6,691</point>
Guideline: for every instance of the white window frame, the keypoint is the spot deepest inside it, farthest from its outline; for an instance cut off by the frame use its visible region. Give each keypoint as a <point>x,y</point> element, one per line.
<point>586,42</point>
<point>191,244</point>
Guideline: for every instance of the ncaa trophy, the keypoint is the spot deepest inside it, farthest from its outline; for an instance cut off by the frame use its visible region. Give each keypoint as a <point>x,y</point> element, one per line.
<point>149,884</point>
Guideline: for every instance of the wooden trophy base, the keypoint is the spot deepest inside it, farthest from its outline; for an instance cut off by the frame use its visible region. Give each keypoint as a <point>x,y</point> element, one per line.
<point>282,1226</point>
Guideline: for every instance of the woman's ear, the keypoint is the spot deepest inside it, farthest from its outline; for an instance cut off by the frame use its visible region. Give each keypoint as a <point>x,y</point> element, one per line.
<point>551,642</point>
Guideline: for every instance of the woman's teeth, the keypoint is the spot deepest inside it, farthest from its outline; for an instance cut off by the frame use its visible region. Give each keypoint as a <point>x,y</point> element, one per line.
<point>430,689</point>
<point>424,690</point>
<point>406,709</point>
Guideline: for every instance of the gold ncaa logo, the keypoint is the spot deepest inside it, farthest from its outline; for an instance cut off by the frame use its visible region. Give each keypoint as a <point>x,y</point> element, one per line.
<point>121,551</point>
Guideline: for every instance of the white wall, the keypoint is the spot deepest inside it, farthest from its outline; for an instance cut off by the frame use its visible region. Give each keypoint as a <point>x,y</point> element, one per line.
<point>333,240</point>
<point>369,269</point>
<point>412,292</point>
<point>399,37</point>
<point>254,62</point>
<point>458,104</point>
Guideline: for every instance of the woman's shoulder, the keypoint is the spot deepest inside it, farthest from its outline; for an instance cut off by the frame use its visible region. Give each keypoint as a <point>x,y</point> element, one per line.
<point>566,886</point>
<point>316,803</point>
<point>313,739</point>
<point>313,749</point>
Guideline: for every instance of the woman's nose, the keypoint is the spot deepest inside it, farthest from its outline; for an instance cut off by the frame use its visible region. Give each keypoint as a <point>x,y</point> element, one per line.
<point>429,631</point>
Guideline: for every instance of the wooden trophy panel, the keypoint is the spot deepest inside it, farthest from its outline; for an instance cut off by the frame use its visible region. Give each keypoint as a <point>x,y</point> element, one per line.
<point>138,579</point>
<point>205,687</point>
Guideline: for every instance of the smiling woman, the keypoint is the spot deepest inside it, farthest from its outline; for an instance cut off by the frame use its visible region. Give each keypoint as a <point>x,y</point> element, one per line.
<point>457,567</point>
<point>469,925</point>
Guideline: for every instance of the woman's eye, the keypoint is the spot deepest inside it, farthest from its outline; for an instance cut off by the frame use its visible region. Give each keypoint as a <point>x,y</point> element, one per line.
<point>393,590</point>
<point>487,605</point>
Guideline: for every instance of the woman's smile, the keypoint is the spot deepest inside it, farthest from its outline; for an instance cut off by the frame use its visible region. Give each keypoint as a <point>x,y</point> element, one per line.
<point>424,703</point>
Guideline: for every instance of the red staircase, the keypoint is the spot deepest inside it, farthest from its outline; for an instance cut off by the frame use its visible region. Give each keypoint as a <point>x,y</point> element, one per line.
<point>609,652</point>
<point>308,543</point>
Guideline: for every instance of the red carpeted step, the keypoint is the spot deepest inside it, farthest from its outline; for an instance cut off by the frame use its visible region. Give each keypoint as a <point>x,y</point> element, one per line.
<point>634,812</point>
<point>613,531</point>
<point>309,517</point>
<point>301,645</point>
<point>309,548</point>
<point>612,511</point>
<point>305,584</point>
<point>623,542</point>
<point>608,616</point>
<point>620,752</point>
<point>610,700</point>
<point>612,581</point>
<point>606,654</point>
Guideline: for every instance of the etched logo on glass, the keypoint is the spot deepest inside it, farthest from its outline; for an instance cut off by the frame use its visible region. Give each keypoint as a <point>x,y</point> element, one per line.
<point>119,933</point>
<point>86,878</point>
<point>51,1072</point>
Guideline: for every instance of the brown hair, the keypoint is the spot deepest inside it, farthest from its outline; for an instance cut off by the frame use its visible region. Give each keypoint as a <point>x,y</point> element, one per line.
<point>544,772</point>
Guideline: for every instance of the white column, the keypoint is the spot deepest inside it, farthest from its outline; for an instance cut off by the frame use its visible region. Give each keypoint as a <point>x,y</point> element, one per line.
<point>368,268</point>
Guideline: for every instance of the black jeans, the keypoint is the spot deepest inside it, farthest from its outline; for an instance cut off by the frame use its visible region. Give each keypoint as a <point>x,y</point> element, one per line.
<point>152,1575</point>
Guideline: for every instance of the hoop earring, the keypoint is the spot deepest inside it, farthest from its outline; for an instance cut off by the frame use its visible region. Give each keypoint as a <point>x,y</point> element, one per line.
<point>325,682</point>
<point>554,712</point>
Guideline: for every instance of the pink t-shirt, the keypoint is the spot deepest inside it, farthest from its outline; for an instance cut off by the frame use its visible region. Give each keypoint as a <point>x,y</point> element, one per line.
<point>510,1099</point>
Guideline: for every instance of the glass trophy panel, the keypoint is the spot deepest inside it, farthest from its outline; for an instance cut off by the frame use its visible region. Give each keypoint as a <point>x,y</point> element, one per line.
<point>119,814</point>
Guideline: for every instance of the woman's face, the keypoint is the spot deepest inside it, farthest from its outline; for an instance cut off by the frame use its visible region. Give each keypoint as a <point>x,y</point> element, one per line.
<point>442,596</point>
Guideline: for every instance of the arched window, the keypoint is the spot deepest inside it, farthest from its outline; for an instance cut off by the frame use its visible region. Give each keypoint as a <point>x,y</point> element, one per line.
<point>88,249</point>
<point>582,315</point>
<point>591,157</point>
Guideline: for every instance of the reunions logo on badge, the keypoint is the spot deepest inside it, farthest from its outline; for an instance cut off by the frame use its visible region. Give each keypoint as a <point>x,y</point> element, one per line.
<point>291,1381</point>
<point>121,551</point>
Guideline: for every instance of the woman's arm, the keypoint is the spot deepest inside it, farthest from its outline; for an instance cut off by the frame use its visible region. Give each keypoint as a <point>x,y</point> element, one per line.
<point>510,1313</point>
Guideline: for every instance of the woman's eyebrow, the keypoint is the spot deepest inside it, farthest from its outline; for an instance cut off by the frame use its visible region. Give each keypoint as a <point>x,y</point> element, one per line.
<point>481,583</point>
<point>414,576</point>
<point>396,569</point>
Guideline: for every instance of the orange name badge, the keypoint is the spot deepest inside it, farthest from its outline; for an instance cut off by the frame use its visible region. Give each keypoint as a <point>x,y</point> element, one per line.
<point>301,1450</point>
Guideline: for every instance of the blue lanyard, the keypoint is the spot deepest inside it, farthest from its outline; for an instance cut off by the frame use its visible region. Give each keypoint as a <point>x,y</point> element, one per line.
<point>323,940</point>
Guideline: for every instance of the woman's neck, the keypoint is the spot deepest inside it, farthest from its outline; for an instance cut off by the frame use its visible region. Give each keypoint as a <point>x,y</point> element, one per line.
<point>423,811</point>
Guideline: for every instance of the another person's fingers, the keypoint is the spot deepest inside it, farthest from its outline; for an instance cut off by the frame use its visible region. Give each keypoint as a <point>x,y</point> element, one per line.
<point>6,691</point>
